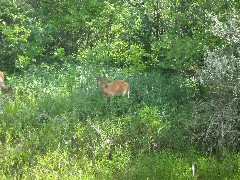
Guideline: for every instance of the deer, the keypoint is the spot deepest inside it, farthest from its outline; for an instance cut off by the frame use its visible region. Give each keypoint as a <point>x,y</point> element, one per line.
<point>118,87</point>
<point>3,87</point>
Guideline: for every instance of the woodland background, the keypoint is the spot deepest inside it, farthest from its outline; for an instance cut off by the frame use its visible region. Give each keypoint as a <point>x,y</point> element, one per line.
<point>181,59</point>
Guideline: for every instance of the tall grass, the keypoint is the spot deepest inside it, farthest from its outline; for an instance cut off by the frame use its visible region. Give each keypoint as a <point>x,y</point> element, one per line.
<point>58,126</point>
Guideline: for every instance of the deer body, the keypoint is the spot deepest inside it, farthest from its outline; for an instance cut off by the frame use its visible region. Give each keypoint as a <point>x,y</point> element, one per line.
<point>3,87</point>
<point>118,87</point>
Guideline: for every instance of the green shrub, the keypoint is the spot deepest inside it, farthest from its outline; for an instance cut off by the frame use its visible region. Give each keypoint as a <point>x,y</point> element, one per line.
<point>219,115</point>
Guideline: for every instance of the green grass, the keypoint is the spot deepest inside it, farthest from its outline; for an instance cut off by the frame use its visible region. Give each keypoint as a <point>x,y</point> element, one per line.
<point>58,126</point>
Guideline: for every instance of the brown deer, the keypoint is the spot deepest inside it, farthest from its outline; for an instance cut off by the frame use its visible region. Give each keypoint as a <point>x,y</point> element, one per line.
<point>118,87</point>
<point>3,87</point>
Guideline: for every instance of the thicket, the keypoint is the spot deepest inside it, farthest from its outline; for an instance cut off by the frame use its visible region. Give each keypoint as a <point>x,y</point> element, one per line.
<point>181,59</point>
<point>219,115</point>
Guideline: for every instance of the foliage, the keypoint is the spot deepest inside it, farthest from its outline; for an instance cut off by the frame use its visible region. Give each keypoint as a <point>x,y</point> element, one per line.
<point>55,127</point>
<point>221,122</point>
<point>221,76</point>
<point>24,41</point>
<point>178,53</point>
<point>12,33</point>
<point>167,34</point>
<point>116,54</point>
<point>181,59</point>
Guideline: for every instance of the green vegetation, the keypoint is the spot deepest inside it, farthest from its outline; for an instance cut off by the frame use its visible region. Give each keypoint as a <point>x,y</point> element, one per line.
<point>181,60</point>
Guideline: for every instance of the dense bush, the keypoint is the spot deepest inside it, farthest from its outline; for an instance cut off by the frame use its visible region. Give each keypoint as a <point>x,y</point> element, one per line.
<point>217,119</point>
<point>219,116</point>
<point>181,54</point>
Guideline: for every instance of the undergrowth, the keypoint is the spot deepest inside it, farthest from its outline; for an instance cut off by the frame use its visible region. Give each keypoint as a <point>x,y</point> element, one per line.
<point>57,125</point>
